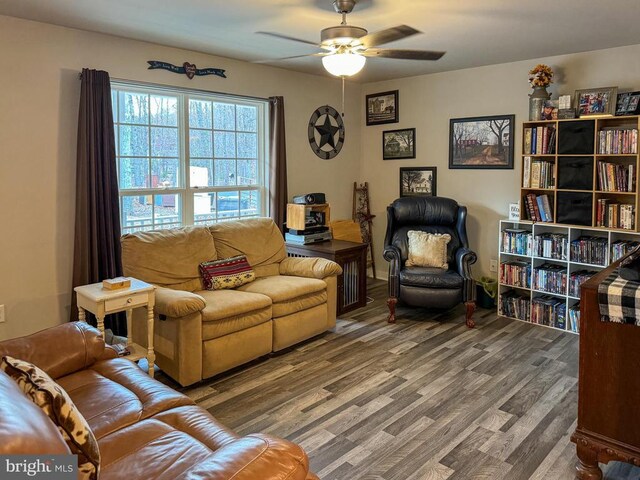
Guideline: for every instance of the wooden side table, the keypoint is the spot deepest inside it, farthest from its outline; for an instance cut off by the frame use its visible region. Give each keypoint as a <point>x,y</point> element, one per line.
<point>352,257</point>
<point>101,302</point>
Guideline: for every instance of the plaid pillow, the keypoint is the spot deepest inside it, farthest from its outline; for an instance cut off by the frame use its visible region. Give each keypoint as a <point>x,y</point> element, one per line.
<point>58,406</point>
<point>226,273</point>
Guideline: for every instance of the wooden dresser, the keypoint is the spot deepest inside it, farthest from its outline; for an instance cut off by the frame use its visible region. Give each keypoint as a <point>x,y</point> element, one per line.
<point>609,388</point>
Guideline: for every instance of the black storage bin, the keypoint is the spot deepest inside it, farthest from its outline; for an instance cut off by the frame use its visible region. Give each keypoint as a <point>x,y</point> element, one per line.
<point>574,208</point>
<point>576,138</point>
<point>575,173</point>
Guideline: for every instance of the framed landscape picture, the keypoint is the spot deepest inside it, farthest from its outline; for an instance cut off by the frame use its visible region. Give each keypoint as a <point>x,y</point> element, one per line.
<point>596,101</point>
<point>628,103</point>
<point>418,181</point>
<point>481,142</point>
<point>382,108</point>
<point>399,144</point>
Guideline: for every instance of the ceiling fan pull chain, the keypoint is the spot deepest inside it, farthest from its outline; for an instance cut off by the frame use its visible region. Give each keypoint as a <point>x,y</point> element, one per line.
<point>343,96</point>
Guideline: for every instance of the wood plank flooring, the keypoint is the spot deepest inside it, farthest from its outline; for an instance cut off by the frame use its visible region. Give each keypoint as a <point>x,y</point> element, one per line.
<point>425,399</point>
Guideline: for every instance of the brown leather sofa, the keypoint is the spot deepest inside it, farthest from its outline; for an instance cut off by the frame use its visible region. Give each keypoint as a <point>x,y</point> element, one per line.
<point>145,430</point>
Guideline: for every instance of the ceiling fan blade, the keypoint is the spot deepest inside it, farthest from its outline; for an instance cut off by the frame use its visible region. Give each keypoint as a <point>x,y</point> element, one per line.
<point>388,35</point>
<point>272,60</point>
<point>287,37</point>
<point>403,54</point>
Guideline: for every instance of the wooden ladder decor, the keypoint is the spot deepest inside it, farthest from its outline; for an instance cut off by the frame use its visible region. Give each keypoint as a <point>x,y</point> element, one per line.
<point>362,215</point>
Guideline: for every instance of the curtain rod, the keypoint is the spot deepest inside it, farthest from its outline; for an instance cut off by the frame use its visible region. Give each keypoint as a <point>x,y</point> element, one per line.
<point>135,83</point>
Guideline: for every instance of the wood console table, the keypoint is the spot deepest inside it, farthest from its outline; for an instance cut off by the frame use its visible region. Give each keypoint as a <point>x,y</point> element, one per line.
<point>609,387</point>
<point>352,257</point>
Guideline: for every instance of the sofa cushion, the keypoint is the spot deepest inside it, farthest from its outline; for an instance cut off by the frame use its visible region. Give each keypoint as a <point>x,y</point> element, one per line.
<point>430,277</point>
<point>231,303</point>
<point>239,238</point>
<point>226,273</point>
<point>116,393</point>
<point>168,258</point>
<point>56,403</point>
<point>225,326</point>
<point>289,294</point>
<point>427,249</point>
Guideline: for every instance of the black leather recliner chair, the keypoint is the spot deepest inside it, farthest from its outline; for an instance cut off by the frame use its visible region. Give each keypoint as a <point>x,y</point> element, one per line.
<point>424,286</point>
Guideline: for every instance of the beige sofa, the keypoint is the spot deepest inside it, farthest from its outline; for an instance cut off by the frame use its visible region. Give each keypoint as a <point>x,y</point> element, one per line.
<point>200,333</point>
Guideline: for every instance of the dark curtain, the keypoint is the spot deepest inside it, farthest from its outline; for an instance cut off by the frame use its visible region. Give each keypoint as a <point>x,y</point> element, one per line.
<point>97,230</point>
<point>278,162</point>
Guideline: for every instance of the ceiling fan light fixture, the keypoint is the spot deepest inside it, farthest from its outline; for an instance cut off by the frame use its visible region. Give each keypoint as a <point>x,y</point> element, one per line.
<point>343,64</point>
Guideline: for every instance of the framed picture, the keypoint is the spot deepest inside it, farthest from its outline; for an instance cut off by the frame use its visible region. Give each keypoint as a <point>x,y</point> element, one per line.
<point>481,142</point>
<point>382,108</point>
<point>628,103</point>
<point>549,110</point>
<point>596,101</point>
<point>399,144</point>
<point>418,181</point>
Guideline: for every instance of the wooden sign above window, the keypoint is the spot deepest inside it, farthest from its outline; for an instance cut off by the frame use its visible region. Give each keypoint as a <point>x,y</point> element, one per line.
<point>188,69</point>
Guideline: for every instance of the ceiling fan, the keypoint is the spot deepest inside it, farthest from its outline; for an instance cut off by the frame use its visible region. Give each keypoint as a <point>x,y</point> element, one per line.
<point>346,47</point>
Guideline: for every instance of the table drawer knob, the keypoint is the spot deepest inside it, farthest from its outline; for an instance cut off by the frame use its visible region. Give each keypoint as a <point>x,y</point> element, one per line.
<point>129,300</point>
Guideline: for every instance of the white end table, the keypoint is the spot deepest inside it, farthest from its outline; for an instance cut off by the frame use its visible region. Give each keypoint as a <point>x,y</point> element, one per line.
<point>101,302</point>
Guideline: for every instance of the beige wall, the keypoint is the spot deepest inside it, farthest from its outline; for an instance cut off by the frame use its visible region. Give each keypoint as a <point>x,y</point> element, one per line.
<point>38,123</point>
<point>428,102</point>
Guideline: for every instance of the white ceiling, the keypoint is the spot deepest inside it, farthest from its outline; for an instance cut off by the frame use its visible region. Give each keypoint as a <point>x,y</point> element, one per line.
<point>472,32</point>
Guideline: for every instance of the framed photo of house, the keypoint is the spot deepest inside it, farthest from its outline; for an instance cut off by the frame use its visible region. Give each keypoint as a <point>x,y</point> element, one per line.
<point>481,142</point>
<point>382,108</point>
<point>418,181</point>
<point>628,103</point>
<point>596,101</point>
<point>399,144</point>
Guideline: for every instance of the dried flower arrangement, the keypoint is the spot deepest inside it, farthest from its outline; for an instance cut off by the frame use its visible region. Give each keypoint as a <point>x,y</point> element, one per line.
<point>540,76</point>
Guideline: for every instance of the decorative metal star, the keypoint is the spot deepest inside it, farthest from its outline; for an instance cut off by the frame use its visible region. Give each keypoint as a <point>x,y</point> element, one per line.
<point>327,132</point>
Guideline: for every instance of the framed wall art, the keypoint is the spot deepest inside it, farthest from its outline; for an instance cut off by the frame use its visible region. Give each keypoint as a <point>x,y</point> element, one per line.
<point>628,103</point>
<point>481,142</point>
<point>596,101</point>
<point>399,144</point>
<point>382,108</point>
<point>418,181</point>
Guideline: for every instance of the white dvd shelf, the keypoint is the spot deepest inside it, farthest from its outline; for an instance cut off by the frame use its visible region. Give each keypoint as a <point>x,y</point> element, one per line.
<point>542,265</point>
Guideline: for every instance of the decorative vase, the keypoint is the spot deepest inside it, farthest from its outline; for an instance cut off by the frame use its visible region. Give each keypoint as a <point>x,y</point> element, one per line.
<point>536,102</point>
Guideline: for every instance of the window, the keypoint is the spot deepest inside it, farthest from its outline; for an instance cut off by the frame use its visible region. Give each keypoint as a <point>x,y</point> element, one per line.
<point>188,158</point>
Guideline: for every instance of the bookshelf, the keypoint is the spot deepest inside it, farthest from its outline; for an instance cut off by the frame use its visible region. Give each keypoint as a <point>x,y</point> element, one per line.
<point>542,265</point>
<point>581,172</point>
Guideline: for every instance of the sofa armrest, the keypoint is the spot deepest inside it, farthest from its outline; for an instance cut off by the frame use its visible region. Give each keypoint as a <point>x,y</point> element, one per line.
<point>252,457</point>
<point>392,255</point>
<point>59,350</point>
<point>464,259</point>
<point>310,267</point>
<point>177,303</point>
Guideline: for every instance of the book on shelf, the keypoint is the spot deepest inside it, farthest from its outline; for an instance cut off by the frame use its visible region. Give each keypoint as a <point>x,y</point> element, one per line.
<point>618,141</point>
<point>516,273</point>
<point>550,278</point>
<point>550,311</point>
<point>615,215</point>
<point>613,177</point>
<point>540,140</point>
<point>538,208</point>
<point>515,305</point>
<point>576,279</point>
<point>551,245</point>
<point>516,241</point>
<point>589,249</point>
<point>620,248</point>
<point>526,173</point>
<point>574,318</point>
<point>542,174</point>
